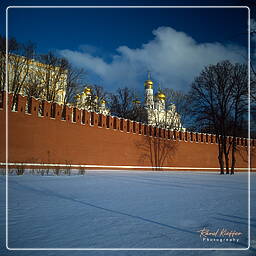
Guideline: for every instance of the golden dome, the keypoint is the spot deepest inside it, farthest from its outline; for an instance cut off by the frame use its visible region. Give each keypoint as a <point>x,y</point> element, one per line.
<point>148,84</point>
<point>136,102</point>
<point>161,96</point>
<point>87,90</point>
<point>77,96</point>
<point>103,102</point>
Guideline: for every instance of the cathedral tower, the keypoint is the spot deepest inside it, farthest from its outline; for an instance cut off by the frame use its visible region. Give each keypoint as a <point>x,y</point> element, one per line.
<point>149,95</point>
<point>160,101</point>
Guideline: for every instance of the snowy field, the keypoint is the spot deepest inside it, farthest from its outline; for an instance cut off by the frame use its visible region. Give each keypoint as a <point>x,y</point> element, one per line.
<point>128,209</point>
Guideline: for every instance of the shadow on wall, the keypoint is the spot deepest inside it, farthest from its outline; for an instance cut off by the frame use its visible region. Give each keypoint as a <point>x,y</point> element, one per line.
<point>243,153</point>
<point>253,156</point>
<point>159,151</point>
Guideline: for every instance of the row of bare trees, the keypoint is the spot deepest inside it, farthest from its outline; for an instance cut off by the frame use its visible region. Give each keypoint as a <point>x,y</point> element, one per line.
<point>219,104</point>
<point>37,75</point>
<point>126,104</point>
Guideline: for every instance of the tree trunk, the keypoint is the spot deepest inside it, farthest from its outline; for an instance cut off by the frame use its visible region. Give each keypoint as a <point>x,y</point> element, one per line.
<point>221,162</point>
<point>227,162</point>
<point>220,156</point>
<point>233,157</point>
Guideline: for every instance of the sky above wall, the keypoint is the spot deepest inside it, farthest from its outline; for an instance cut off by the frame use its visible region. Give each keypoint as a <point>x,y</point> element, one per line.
<point>117,47</point>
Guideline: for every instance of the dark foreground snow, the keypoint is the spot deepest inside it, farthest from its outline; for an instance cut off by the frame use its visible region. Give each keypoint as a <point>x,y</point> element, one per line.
<point>127,209</point>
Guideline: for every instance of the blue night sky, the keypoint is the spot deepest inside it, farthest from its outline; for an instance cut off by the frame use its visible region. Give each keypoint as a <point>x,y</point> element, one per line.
<point>117,46</point>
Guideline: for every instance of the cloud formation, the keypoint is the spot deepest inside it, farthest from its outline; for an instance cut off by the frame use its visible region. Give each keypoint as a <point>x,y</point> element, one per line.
<point>174,59</point>
<point>253,41</point>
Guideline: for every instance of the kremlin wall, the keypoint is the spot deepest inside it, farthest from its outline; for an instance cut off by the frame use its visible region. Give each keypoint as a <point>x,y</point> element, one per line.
<point>95,141</point>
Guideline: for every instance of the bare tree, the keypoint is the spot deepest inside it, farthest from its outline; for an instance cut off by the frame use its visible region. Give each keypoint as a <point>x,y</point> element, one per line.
<point>253,78</point>
<point>181,101</point>
<point>99,95</point>
<point>121,102</point>
<point>13,47</point>
<point>125,103</point>
<point>19,62</point>
<point>53,75</point>
<point>75,78</point>
<point>218,100</point>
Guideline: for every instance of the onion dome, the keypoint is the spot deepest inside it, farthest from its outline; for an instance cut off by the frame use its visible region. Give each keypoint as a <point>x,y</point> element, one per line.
<point>103,101</point>
<point>148,84</point>
<point>136,101</point>
<point>160,96</point>
<point>87,90</point>
<point>78,96</point>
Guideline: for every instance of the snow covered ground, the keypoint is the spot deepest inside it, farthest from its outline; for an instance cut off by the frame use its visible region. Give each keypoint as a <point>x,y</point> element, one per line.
<point>127,209</point>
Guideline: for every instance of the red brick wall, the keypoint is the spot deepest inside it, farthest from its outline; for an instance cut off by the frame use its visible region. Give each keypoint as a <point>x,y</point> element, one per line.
<point>50,140</point>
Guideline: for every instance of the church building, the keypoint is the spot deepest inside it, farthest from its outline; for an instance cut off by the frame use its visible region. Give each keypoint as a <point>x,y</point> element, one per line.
<point>88,101</point>
<point>158,114</point>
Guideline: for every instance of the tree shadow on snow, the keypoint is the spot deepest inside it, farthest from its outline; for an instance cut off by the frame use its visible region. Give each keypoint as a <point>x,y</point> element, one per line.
<point>50,193</point>
<point>174,183</point>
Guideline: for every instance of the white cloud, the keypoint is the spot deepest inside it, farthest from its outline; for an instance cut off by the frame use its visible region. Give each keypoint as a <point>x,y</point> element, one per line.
<point>253,41</point>
<point>173,57</point>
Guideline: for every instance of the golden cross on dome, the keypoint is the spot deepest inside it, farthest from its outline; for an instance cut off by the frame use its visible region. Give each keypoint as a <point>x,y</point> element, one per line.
<point>149,74</point>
